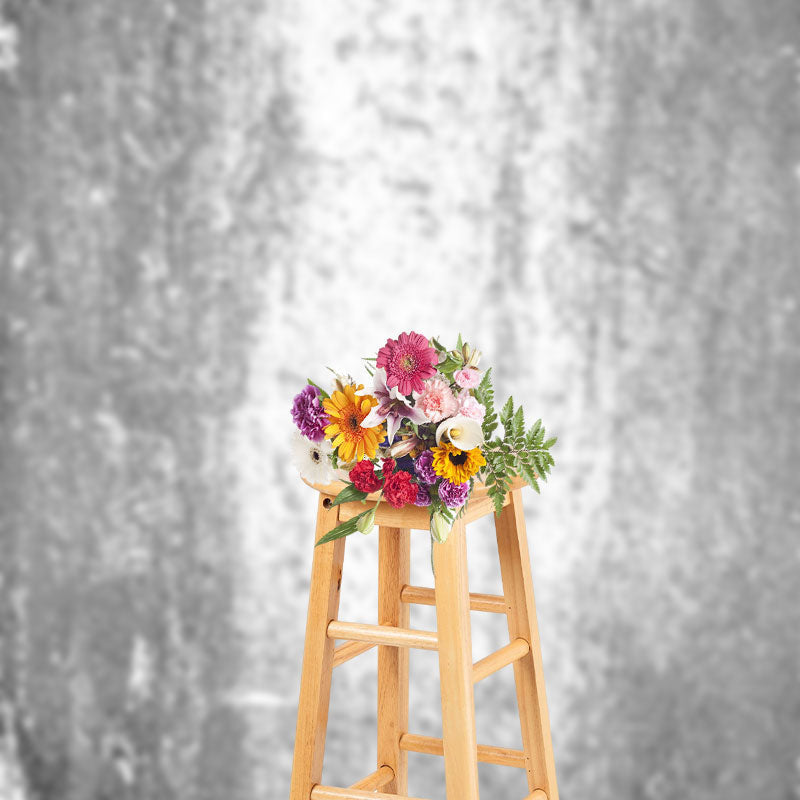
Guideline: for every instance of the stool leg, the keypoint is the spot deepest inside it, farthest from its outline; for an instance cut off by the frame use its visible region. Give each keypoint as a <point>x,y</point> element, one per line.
<point>315,681</point>
<point>455,666</point>
<point>515,567</point>
<point>394,551</point>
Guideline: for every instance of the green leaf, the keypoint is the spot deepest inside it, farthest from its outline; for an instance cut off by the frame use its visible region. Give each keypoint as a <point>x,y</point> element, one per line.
<point>550,442</point>
<point>348,495</point>
<point>506,412</point>
<point>518,424</point>
<point>344,529</point>
<point>449,365</point>
<point>322,392</point>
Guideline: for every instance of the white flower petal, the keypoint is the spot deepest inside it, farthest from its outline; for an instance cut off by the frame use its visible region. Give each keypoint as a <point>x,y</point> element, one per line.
<point>469,432</point>
<point>392,424</point>
<point>417,415</point>
<point>372,419</point>
<point>315,470</point>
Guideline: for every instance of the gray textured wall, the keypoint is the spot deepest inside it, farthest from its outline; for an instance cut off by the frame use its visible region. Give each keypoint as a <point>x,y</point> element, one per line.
<point>202,203</point>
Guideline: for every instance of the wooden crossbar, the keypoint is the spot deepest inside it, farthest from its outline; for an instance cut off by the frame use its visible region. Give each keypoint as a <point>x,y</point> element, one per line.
<point>344,652</point>
<point>505,655</point>
<point>538,794</point>
<point>383,634</point>
<point>333,793</point>
<point>420,595</point>
<point>432,746</point>
<point>375,781</point>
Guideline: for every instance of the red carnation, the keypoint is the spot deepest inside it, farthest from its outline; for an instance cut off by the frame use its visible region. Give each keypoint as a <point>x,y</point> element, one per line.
<point>387,468</point>
<point>364,478</point>
<point>399,490</point>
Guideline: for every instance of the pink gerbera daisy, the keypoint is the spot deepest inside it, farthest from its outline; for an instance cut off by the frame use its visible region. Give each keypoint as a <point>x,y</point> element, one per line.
<point>408,361</point>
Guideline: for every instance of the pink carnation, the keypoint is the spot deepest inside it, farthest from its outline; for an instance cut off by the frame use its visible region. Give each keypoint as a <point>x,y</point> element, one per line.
<point>467,378</point>
<point>437,400</point>
<point>468,406</point>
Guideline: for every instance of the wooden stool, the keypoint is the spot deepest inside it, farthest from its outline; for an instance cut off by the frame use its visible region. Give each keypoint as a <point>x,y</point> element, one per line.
<point>452,639</point>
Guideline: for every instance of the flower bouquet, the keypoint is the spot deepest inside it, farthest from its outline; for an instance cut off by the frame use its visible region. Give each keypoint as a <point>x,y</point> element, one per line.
<point>423,435</point>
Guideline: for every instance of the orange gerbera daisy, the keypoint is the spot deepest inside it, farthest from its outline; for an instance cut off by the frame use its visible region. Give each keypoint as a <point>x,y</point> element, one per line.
<point>346,410</point>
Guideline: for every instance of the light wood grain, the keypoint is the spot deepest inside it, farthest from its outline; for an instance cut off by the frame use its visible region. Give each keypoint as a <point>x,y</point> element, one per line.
<point>383,634</point>
<point>344,652</point>
<point>453,640</point>
<point>455,666</point>
<point>421,595</point>
<point>333,793</point>
<point>505,756</point>
<point>315,681</point>
<point>480,506</point>
<point>394,550</point>
<point>499,659</point>
<point>515,569</point>
<point>376,781</point>
<point>412,517</point>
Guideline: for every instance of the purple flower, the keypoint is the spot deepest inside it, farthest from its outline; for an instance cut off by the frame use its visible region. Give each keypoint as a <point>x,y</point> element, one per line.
<point>423,466</point>
<point>423,497</point>
<point>453,495</point>
<point>309,415</point>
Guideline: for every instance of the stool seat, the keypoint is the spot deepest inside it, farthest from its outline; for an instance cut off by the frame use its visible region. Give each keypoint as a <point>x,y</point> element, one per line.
<point>414,517</point>
<point>452,640</point>
<point>479,488</point>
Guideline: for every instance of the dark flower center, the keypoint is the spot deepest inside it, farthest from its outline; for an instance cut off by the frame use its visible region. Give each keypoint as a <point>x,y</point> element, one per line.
<point>458,458</point>
<point>354,422</point>
<point>315,455</point>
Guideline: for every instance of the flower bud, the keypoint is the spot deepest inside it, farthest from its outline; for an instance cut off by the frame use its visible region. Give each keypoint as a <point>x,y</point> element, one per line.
<point>366,522</point>
<point>440,528</point>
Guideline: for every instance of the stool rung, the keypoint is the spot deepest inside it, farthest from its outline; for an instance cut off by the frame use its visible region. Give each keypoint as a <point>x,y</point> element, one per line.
<point>376,781</point>
<point>486,753</point>
<point>422,596</point>
<point>344,652</point>
<point>383,634</point>
<point>538,794</point>
<point>505,655</point>
<point>332,793</point>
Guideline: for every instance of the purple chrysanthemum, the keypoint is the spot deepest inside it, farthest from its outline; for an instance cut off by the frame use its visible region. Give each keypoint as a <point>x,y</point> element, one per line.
<point>423,466</point>
<point>423,497</point>
<point>309,415</point>
<point>454,495</point>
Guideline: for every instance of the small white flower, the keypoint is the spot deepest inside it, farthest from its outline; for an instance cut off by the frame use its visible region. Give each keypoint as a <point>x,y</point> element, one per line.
<point>312,459</point>
<point>463,432</point>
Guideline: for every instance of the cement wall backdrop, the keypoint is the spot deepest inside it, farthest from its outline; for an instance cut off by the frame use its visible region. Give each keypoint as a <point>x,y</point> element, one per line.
<point>204,203</point>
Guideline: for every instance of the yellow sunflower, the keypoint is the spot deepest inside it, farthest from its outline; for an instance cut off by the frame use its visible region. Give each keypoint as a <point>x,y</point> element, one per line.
<point>346,411</point>
<point>457,466</point>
